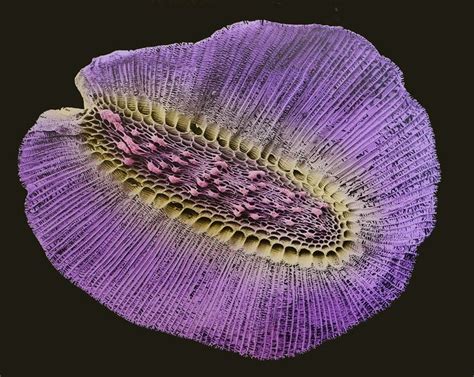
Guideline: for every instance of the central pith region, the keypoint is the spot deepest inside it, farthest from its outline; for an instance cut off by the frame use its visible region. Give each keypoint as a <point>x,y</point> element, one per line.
<point>218,183</point>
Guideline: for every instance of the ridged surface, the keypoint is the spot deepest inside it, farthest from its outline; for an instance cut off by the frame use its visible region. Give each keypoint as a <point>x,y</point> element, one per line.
<point>322,96</point>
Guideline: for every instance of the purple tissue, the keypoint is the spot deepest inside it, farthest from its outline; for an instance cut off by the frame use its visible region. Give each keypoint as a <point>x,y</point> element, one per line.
<point>260,191</point>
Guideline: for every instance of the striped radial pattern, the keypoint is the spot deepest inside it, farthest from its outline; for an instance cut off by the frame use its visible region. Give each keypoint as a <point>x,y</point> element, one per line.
<point>260,191</point>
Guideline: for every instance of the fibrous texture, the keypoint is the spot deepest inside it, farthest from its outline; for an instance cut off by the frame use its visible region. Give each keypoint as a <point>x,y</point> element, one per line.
<point>260,191</point>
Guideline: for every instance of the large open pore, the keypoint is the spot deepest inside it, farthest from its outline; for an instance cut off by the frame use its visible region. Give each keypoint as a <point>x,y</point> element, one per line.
<point>260,191</point>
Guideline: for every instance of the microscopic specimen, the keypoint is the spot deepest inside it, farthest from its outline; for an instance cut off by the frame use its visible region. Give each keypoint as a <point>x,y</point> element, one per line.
<point>260,191</point>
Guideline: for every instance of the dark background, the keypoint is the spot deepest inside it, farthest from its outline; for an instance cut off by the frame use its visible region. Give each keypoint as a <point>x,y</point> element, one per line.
<point>51,328</point>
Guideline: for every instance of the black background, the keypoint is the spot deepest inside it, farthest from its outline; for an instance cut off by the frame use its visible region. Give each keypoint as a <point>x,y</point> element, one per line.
<point>51,328</point>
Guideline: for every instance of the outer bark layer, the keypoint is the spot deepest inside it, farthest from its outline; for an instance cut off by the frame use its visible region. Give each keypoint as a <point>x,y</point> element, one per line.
<point>319,94</point>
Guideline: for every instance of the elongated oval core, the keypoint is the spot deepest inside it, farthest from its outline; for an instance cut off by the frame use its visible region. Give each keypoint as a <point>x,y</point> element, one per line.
<point>219,184</point>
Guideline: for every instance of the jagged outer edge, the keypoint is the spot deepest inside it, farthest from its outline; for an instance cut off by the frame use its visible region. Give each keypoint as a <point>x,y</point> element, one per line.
<point>415,103</point>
